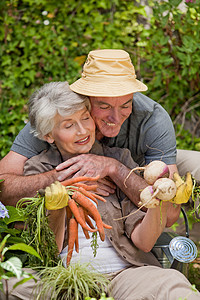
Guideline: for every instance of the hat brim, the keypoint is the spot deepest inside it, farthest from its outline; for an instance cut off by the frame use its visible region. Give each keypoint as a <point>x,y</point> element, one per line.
<point>107,88</point>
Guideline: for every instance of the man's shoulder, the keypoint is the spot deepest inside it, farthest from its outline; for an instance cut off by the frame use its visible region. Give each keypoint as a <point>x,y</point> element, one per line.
<point>142,103</point>
<point>144,108</point>
<point>27,144</point>
<point>102,149</point>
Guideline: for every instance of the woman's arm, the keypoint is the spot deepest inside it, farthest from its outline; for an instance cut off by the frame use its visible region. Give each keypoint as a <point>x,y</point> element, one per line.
<point>147,231</point>
<point>57,224</point>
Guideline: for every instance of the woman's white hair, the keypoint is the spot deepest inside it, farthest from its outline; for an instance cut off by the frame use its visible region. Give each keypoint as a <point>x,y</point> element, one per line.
<point>52,99</point>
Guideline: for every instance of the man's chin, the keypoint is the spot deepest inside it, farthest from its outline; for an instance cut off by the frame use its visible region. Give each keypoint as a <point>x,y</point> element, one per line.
<point>110,133</point>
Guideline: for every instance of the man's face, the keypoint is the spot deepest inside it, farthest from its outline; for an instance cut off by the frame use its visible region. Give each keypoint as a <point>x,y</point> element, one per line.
<point>109,113</point>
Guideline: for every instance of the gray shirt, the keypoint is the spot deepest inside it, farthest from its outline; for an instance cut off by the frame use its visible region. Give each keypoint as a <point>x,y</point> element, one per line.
<point>148,133</point>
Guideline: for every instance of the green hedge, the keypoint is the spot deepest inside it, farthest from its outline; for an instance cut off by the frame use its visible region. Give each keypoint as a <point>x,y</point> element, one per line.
<point>45,40</point>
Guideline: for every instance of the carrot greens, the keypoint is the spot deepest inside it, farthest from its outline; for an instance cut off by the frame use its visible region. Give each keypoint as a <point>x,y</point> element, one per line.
<point>37,232</point>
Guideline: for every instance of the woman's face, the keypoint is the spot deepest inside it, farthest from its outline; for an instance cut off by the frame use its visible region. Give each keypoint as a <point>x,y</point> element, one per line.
<point>73,134</point>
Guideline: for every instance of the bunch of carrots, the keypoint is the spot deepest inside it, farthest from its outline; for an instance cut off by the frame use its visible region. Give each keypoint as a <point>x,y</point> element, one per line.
<point>80,209</point>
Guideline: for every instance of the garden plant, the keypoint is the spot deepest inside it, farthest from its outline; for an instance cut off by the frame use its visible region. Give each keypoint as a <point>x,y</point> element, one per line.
<point>12,249</point>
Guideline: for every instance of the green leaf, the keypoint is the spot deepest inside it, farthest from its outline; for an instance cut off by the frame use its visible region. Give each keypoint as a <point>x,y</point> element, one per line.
<point>13,265</point>
<point>188,60</point>
<point>14,215</point>
<point>27,278</point>
<point>15,239</point>
<point>25,248</point>
<point>3,226</point>
<point>3,242</point>
<point>1,286</point>
<point>11,231</point>
<point>175,2</point>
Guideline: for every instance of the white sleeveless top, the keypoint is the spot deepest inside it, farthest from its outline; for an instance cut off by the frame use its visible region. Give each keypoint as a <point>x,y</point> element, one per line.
<point>107,260</point>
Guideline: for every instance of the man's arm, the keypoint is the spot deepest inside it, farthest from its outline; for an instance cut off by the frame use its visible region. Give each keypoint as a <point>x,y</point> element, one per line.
<point>17,186</point>
<point>93,165</point>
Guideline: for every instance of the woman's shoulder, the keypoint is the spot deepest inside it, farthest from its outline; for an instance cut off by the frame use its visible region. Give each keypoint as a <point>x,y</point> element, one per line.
<point>45,161</point>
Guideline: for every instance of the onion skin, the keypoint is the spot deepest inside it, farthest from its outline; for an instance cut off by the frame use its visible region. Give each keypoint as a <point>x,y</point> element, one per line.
<point>165,189</point>
<point>155,170</point>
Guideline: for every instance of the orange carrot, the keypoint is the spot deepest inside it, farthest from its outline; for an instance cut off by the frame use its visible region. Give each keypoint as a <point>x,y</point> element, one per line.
<point>75,211</point>
<point>72,181</point>
<point>76,240</point>
<point>104,224</point>
<point>81,211</point>
<point>85,202</point>
<point>88,194</point>
<point>99,197</point>
<point>87,219</point>
<point>92,210</point>
<point>107,226</point>
<point>92,187</point>
<point>99,225</point>
<point>73,228</point>
<point>68,212</point>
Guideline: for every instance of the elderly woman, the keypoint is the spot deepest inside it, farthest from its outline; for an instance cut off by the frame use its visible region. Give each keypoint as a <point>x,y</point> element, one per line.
<point>62,118</point>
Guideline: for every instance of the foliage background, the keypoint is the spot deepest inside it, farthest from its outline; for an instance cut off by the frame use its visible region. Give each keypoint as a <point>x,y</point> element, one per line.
<point>45,40</point>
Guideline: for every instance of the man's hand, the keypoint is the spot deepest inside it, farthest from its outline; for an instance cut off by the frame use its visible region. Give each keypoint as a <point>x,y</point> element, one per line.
<point>184,188</point>
<point>56,196</point>
<point>90,165</point>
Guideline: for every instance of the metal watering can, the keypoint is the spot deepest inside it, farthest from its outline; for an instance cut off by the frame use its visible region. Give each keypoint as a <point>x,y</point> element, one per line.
<point>175,252</point>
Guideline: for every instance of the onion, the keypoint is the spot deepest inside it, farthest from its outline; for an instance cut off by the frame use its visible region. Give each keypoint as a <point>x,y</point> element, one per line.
<point>146,198</point>
<point>164,189</point>
<point>154,170</point>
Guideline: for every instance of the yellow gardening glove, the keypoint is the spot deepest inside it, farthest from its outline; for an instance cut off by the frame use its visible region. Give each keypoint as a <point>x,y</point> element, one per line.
<point>184,188</point>
<point>56,196</point>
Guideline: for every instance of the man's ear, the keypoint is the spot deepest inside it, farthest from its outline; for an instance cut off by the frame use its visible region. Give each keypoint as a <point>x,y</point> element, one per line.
<point>48,137</point>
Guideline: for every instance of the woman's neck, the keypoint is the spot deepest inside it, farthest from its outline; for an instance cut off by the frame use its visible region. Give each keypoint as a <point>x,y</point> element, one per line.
<point>67,155</point>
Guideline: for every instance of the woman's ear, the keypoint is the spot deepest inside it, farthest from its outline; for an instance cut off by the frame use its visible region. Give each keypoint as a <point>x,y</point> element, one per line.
<point>48,137</point>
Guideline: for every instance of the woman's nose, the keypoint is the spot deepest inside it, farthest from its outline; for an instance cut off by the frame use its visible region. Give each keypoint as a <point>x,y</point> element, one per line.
<point>81,129</point>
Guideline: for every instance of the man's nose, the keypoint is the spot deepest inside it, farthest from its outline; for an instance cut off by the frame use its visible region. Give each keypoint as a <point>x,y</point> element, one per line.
<point>114,116</point>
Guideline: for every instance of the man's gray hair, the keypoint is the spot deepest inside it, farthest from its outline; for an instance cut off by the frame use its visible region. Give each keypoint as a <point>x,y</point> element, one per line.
<point>52,99</point>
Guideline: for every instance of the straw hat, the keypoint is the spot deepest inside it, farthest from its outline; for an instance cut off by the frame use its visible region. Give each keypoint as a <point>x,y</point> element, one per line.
<point>108,73</point>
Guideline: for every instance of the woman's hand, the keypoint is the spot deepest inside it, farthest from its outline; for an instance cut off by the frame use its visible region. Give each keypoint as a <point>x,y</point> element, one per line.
<point>105,187</point>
